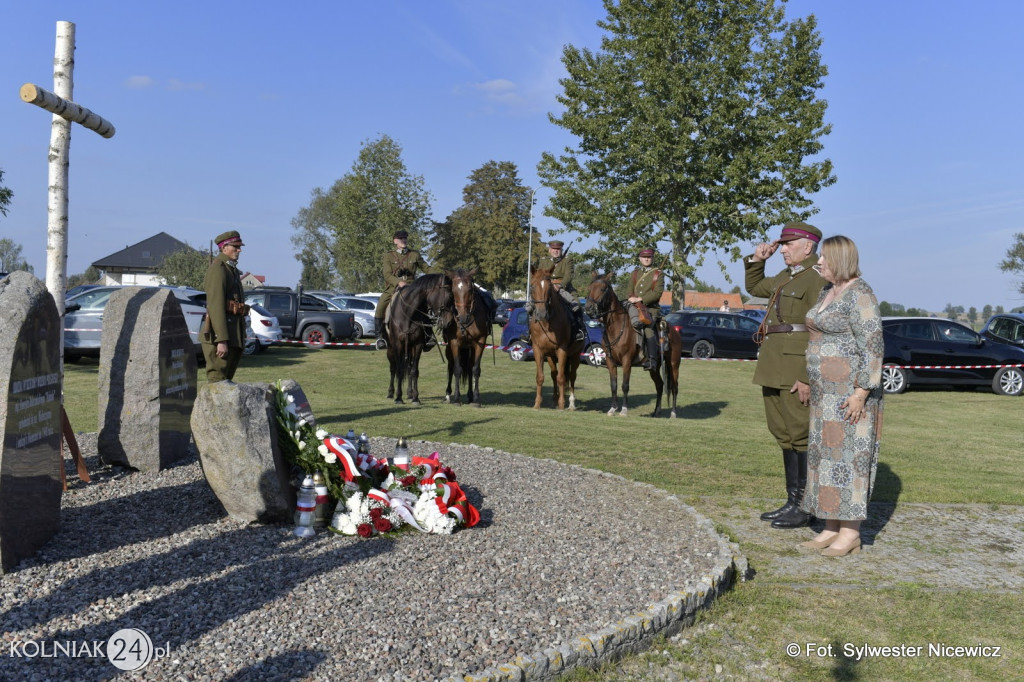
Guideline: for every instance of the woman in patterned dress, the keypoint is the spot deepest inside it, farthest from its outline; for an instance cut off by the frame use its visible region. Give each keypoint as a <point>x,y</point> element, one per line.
<point>844,364</point>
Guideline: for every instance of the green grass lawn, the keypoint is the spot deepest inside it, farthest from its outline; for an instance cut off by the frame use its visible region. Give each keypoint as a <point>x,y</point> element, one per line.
<point>937,447</point>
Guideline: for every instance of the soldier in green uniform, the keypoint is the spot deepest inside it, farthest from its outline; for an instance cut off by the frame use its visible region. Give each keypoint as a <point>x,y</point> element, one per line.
<point>562,269</point>
<point>781,367</point>
<point>646,286</point>
<point>223,332</point>
<point>399,268</point>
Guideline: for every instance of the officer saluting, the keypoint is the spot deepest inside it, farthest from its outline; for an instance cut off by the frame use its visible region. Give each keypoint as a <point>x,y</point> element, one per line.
<point>781,366</point>
<point>399,268</point>
<point>223,333</point>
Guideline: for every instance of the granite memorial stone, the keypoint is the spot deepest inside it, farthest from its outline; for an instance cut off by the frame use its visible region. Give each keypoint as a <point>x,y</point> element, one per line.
<point>147,380</point>
<point>30,418</point>
<point>235,430</point>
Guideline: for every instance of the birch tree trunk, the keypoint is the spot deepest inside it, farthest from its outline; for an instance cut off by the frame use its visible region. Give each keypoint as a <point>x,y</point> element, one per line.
<point>60,144</point>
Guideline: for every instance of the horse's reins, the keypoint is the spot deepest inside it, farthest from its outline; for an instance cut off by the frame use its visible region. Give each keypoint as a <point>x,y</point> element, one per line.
<point>604,315</point>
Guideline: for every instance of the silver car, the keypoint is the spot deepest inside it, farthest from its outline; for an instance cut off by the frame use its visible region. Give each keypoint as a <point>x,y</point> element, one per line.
<point>83,324</point>
<point>363,309</point>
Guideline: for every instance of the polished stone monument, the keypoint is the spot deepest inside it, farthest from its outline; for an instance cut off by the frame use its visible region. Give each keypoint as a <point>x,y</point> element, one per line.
<point>235,429</point>
<point>147,380</point>
<point>30,423</point>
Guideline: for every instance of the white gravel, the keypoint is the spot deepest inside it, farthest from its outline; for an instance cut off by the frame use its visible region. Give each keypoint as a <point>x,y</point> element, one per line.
<point>560,552</point>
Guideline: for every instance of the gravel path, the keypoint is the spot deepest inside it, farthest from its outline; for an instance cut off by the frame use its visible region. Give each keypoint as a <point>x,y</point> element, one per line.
<point>560,551</point>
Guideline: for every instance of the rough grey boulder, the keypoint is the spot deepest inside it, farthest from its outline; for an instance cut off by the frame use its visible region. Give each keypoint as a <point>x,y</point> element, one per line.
<point>235,431</point>
<point>30,418</point>
<point>147,380</point>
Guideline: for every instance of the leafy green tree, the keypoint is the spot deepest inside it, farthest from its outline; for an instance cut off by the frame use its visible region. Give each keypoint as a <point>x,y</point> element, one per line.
<point>345,231</point>
<point>986,312</point>
<point>972,315</point>
<point>696,120</point>
<point>6,194</point>
<point>999,310</point>
<point>1014,261</point>
<point>90,276</point>
<point>10,257</point>
<point>491,229</point>
<point>185,268</point>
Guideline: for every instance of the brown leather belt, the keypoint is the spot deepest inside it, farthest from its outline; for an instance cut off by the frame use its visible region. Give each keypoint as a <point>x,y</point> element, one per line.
<point>782,328</point>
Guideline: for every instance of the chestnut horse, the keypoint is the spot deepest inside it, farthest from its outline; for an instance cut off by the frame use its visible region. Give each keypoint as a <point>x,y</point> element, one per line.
<point>621,347</point>
<point>415,308</point>
<point>553,340</point>
<point>466,337</point>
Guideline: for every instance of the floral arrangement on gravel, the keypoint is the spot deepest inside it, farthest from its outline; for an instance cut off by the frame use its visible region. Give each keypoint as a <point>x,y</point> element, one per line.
<point>372,495</point>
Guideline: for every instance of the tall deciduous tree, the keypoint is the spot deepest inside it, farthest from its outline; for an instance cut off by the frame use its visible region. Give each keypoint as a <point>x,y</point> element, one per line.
<point>491,229</point>
<point>90,276</point>
<point>1014,262</point>
<point>345,231</point>
<point>696,122</point>
<point>10,257</point>
<point>6,194</point>
<point>185,268</point>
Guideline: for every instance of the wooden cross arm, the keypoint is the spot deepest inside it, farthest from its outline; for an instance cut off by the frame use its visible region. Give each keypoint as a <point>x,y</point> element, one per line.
<point>33,94</point>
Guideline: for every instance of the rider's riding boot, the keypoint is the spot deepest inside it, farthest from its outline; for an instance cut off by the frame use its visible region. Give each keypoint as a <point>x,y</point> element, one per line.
<point>651,361</point>
<point>581,326</point>
<point>380,342</point>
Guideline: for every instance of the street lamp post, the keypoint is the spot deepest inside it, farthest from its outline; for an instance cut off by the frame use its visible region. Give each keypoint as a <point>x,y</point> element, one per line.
<point>529,246</point>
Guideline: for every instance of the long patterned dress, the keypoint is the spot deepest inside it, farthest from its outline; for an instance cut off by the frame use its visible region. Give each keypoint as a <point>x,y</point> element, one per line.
<point>844,352</point>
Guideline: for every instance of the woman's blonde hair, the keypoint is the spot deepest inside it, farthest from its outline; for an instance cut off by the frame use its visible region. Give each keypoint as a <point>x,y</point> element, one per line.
<point>842,257</point>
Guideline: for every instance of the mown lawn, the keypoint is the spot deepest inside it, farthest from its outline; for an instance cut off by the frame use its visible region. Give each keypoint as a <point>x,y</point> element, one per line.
<point>938,447</point>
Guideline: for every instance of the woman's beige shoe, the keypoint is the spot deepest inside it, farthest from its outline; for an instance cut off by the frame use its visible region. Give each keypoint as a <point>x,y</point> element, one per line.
<point>833,551</point>
<point>818,544</point>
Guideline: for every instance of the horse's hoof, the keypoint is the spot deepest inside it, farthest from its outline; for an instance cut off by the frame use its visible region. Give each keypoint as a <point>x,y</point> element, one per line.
<point>611,412</point>
<point>415,402</point>
<point>398,401</point>
<point>672,415</point>
<point>448,399</point>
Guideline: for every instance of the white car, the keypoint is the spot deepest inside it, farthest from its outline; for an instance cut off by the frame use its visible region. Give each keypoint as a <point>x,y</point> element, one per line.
<point>266,331</point>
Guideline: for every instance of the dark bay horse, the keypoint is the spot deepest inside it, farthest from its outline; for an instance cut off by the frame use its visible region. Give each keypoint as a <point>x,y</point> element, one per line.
<point>415,308</point>
<point>466,337</point>
<point>621,347</point>
<point>553,340</point>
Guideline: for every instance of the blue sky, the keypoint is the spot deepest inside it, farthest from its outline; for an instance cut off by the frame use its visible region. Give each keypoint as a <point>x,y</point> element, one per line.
<point>229,114</point>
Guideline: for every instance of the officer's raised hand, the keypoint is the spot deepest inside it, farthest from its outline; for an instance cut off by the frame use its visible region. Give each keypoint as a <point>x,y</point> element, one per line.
<point>764,251</point>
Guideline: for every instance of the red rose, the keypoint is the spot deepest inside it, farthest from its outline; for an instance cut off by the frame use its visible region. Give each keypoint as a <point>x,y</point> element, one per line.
<point>375,514</point>
<point>364,530</point>
<point>408,481</point>
<point>449,472</point>
<point>382,525</point>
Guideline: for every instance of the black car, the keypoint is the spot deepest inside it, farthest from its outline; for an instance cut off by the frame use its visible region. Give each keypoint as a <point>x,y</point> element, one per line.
<point>931,350</point>
<point>504,307</point>
<point>710,334</point>
<point>1005,328</point>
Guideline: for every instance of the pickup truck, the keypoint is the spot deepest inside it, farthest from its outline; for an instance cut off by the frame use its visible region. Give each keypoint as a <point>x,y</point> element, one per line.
<point>303,318</point>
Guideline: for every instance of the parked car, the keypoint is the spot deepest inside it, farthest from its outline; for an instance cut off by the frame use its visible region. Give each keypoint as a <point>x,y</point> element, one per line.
<point>266,330</point>
<point>302,317</point>
<point>83,322</point>
<point>711,334</point>
<point>518,349</point>
<point>951,352</point>
<point>504,307</point>
<point>753,313</point>
<point>363,308</point>
<point>1005,328</point>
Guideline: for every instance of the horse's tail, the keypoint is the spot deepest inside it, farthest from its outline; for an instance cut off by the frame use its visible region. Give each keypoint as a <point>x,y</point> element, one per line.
<point>466,362</point>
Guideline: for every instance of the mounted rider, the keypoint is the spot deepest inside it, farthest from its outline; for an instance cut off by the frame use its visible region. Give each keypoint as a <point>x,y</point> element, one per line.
<point>562,270</point>
<point>399,268</point>
<point>643,296</point>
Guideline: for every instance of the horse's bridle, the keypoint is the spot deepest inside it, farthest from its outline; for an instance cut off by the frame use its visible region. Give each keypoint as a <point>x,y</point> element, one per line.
<point>595,306</point>
<point>468,315</point>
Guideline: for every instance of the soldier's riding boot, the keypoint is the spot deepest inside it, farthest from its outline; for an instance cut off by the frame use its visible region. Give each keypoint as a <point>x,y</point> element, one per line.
<point>794,518</point>
<point>652,352</point>
<point>789,463</point>
<point>581,326</point>
<point>380,341</point>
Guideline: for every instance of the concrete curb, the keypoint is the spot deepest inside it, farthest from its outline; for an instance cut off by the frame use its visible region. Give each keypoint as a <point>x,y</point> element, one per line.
<point>633,633</point>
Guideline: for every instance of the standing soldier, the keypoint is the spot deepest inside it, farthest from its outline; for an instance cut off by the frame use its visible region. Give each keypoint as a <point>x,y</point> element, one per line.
<point>562,269</point>
<point>781,366</point>
<point>223,332</point>
<point>399,269</point>
<point>646,286</point>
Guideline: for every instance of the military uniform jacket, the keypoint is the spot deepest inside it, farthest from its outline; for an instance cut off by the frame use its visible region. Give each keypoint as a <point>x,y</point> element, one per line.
<point>562,271</point>
<point>648,284</point>
<point>781,361</point>
<point>402,267</point>
<point>223,283</point>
